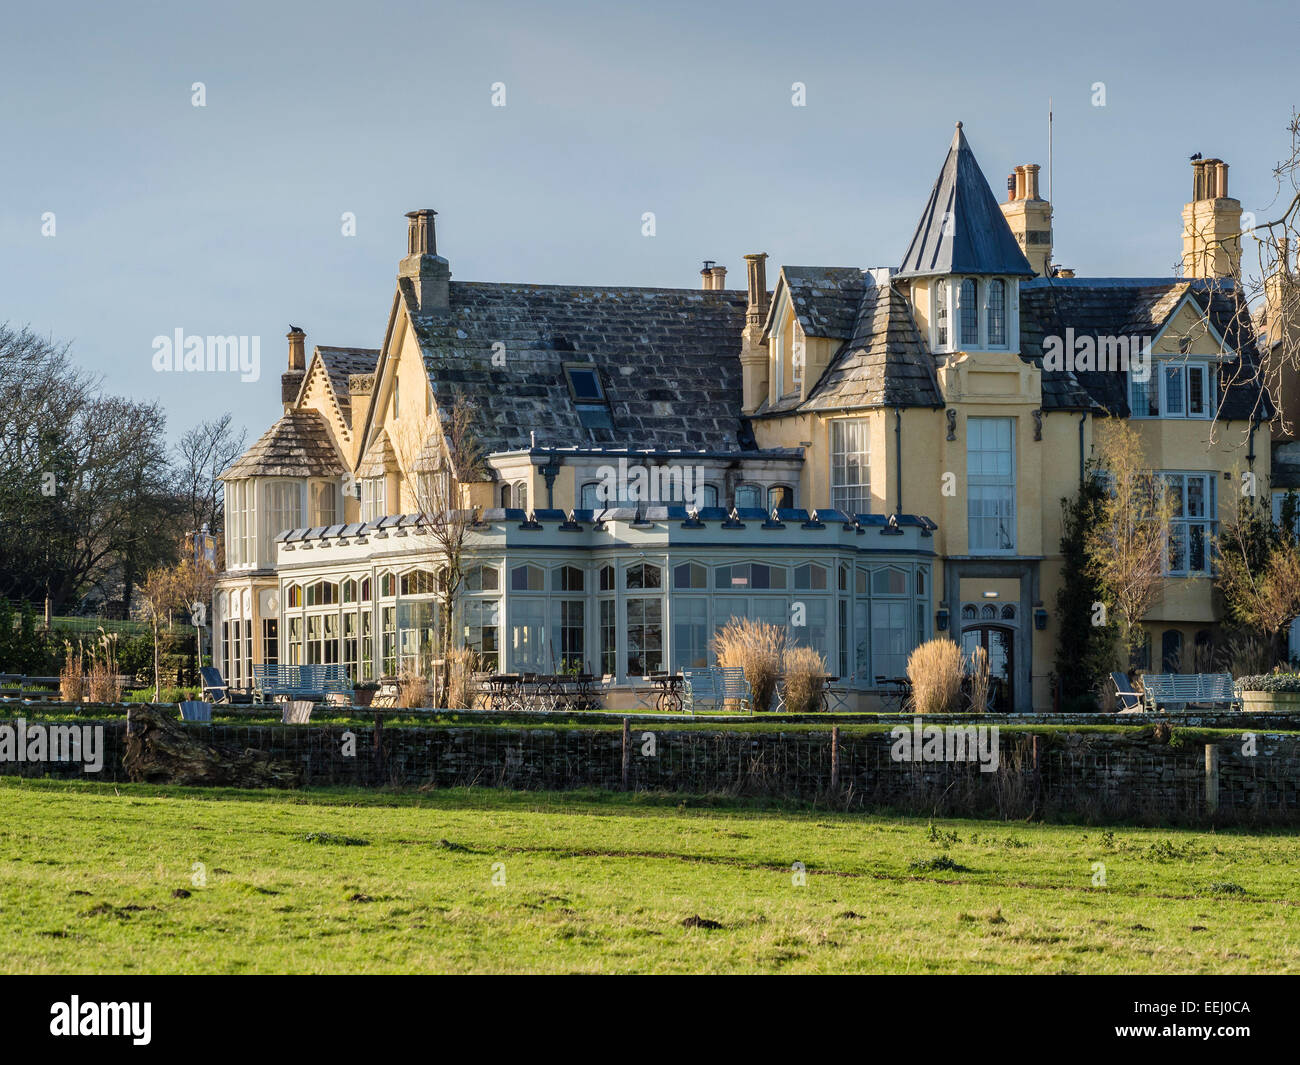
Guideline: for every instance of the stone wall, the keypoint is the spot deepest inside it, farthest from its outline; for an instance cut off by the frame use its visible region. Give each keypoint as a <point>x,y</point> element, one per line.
<point>1137,774</point>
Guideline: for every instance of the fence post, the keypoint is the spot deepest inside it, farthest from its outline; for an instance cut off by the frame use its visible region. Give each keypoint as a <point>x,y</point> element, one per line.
<point>835,758</point>
<point>379,748</point>
<point>1211,778</point>
<point>627,751</point>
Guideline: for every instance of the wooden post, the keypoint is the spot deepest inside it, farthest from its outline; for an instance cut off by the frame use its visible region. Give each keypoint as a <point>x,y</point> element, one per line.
<point>1211,778</point>
<point>379,748</point>
<point>835,758</point>
<point>627,751</point>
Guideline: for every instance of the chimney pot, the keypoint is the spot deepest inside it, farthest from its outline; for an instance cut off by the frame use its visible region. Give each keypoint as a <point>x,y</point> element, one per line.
<point>719,274</point>
<point>1031,181</point>
<point>1011,186</point>
<point>1020,182</point>
<point>297,349</point>
<point>420,236</point>
<point>1220,179</point>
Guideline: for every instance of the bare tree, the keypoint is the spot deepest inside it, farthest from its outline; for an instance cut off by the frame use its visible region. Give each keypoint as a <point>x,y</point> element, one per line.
<point>441,465</point>
<point>1127,546</point>
<point>203,452</point>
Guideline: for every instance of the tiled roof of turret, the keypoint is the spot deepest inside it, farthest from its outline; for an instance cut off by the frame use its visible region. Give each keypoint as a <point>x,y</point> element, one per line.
<point>298,445</point>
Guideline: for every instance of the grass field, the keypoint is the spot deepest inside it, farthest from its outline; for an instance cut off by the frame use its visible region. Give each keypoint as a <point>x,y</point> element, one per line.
<point>126,878</point>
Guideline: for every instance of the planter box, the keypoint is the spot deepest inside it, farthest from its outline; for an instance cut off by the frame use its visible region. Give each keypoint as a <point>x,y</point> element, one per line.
<point>1264,702</point>
<point>363,696</point>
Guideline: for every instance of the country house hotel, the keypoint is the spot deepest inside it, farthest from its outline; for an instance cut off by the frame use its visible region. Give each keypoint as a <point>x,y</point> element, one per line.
<point>871,455</point>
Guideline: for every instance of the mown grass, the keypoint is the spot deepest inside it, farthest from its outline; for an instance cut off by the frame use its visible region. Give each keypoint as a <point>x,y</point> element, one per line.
<point>133,878</point>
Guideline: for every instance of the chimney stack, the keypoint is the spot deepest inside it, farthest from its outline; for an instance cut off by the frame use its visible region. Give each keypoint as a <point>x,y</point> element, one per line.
<point>706,276</point>
<point>424,274</point>
<point>719,278</point>
<point>1211,223</point>
<point>1029,217</point>
<point>291,380</point>
<point>753,348</point>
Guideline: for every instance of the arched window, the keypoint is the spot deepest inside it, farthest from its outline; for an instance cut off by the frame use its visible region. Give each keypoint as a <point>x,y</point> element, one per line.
<point>968,612</point>
<point>1171,651</point>
<point>365,589</point>
<point>780,497</point>
<point>968,306</point>
<point>988,611</point>
<point>505,497</point>
<point>708,496</point>
<point>521,495</point>
<point>590,498</point>
<point>749,496</point>
<point>643,575</point>
<point>348,590</point>
<point>482,579</point>
<point>293,595</point>
<point>606,578</point>
<point>941,314</point>
<point>418,582</point>
<point>387,584</point>
<point>997,313</point>
<point>1008,613</point>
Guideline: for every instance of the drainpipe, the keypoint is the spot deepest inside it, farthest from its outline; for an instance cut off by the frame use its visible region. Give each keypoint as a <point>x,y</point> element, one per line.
<point>1083,417</point>
<point>898,455</point>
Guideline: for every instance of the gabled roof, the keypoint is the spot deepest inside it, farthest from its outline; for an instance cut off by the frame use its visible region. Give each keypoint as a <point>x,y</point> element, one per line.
<point>340,364</point>
<point>1127,307</point>
<point>884,362</point>
<point>666,359</point>
<point>962,230</point>
<point>298,445</point>
<point>825,298</point>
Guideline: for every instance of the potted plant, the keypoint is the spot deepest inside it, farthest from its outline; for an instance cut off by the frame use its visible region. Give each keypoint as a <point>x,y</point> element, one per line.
<point>363,692</point>
<point>1270,692</point>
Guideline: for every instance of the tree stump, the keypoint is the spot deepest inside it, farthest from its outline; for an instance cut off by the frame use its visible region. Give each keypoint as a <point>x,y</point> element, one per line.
<point>159,750</point>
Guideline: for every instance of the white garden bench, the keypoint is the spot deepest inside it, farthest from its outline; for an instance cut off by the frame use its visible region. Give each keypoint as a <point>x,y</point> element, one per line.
<point>1177,691</point>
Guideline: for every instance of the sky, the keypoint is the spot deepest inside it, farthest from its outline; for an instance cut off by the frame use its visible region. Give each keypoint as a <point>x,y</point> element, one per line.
<point>228,218</point>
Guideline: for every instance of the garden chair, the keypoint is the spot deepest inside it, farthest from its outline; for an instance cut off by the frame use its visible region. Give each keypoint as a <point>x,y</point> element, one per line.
<point>196,710</point>
<point>1127,701</point>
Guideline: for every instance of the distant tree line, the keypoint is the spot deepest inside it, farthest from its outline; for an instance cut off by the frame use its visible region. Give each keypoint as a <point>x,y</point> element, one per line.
<point>91,496</point>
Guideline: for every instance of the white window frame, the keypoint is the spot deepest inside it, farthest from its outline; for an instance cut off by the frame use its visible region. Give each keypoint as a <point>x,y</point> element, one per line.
<point>1006,482</point>
<point>1159,377</point>
<point>844,493</point>
<point>1179,480</point>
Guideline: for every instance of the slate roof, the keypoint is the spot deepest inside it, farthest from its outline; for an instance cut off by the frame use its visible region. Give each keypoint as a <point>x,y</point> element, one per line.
<point>1119,307</point>
<point>825,298</point>
<point>962,229</point>
<point>884,362</point>
<point>667,359</point>
<point>340,364</point>
<point>298,445</point>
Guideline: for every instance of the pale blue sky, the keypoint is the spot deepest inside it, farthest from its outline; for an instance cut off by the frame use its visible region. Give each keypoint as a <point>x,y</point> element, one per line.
<point>226,219</point>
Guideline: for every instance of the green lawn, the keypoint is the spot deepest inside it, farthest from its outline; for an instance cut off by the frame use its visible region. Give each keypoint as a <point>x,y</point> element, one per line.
<point>92,879</point>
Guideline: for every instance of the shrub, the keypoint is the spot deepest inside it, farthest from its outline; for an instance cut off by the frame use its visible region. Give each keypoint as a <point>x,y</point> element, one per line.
<point>461,663</point>
<point>413,691</point>
<point>1270,682</point>
<point>72,678</point>
<point>1244,653</point>
<point>979,681</point>
<point>805,672</point>
<point>757,648</point>
<point>934,669</point>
